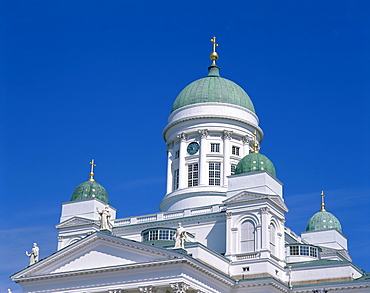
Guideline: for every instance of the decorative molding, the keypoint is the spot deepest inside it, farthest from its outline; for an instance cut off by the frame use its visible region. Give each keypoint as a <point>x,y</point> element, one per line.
<point>147,289</point>
<point>179,287</point>
<point>234,229</point>
<point>203,133</point>
<point>182,136</point>
<point>115,291</point>
<point>229,214</point>
<point>246,139</point>
<point>265,210</point>
<point>227,134</point>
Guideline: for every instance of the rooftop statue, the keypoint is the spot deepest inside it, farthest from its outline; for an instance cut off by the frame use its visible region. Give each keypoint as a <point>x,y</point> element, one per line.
<point>34,255</point>
<point>104,217</point>
<point>180,237</point>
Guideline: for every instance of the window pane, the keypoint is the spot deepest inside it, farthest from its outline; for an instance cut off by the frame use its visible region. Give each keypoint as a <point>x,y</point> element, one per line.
<point>247,237</point>
<point>214,173</point>
<point>192,175</point>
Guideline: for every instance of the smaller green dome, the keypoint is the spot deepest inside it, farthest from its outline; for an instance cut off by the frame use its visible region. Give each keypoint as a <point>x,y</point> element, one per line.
<point>255,162</point>
<point>323,220</point>
<point>90,189</point>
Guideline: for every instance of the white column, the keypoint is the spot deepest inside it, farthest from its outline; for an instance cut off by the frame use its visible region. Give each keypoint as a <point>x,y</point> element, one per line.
<point>246,140</point>
<point>226,163</point>
<point>258,237</point>
<point>203,157</point>
<point>169,167</point>
<point>229,238</point>
<point>265,228</point>
<point>182,167</point>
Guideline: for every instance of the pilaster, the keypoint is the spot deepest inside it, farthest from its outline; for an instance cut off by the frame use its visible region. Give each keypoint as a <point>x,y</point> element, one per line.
<point>182,166</point>
<point>265,231</point>
<point>203,157</point>
<point>226,164</point>
<point>246,140</point>
<point>169,167</point>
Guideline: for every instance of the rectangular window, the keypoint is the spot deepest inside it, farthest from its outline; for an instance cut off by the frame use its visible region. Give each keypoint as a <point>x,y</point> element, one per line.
<point>176,179</point>
<point>214,173</point>
<point>235,150</point>
<point>233,168</point>
<point>294,250</point>
<point>304,250</point>
<point>177,154</point>
<point>192,175</point>
<point>313,252</point>
<point>215,147</point>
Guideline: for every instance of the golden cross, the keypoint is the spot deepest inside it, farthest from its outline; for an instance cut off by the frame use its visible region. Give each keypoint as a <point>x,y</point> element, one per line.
<point>214,55</point>
<point>322,201</point>
<point>92,170</point>
<point>255,146</point>
<point>213,40</point>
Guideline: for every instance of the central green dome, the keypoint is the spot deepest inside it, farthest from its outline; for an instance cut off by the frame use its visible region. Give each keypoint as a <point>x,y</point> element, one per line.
<point>213,88</point>
<point>90,189</point>
<point>255,162</point>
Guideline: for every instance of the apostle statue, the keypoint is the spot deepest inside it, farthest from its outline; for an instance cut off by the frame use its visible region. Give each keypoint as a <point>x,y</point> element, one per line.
<point>34,255</point>
<point>180,237</point>
<point>104,217</point>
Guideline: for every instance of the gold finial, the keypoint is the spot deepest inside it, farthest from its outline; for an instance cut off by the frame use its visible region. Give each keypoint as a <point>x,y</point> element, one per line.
<point>322,201</point>
<point>214,55</point>
<point>92,170</point>
<point>255,144</point>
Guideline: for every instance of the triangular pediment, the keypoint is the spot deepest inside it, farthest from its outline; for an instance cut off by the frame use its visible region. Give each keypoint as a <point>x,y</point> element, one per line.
<point>75,221</point>
<point>246,197</point>
<point>98,250</point>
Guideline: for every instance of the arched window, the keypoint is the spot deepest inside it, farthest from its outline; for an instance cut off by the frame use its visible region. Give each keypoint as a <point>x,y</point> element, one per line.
<point>247,239</point>
<point>272,239</point>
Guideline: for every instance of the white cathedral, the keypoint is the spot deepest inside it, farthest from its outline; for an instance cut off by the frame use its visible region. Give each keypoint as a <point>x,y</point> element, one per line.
<point>224,206</point>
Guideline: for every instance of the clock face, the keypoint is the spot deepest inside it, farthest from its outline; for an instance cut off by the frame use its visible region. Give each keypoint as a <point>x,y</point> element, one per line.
<point>193,148</point>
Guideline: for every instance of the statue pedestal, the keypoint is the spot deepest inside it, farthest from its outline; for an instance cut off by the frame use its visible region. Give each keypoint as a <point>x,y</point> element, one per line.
<point>108,232</point>
<point>180,250</point>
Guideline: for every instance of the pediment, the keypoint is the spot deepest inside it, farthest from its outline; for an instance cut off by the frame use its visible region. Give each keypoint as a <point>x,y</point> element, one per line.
<point>245,197</point>
<point>75,221</point>
<point>95,251</point>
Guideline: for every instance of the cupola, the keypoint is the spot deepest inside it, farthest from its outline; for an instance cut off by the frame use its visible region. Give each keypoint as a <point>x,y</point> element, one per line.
<point>90,189</point>
<point>323,220</point>
<point>255,161</point>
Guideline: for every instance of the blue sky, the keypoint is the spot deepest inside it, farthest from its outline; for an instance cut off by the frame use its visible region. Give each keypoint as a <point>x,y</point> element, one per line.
<point>97,79</point>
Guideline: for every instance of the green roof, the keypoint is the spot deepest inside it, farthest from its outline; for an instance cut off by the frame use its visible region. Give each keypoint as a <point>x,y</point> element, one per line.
<point>213,88</point>
<point>323,220</point>
<point>255,162</point>
<point>90,189</point>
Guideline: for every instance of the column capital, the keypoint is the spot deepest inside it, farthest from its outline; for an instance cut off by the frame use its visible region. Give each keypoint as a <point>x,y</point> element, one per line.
<point>147,289</point>
<point>203,133</point>
<point>179,287</point>
<point>229,214</point>
<point>182,136</point>
<point>246,139</point>
<point>265,210</point>
<point>227,134</point>
<point>169,144</point>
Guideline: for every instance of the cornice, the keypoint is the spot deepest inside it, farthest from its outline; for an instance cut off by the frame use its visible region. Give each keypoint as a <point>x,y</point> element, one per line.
<point>80,244</point>
<point>170,125</point>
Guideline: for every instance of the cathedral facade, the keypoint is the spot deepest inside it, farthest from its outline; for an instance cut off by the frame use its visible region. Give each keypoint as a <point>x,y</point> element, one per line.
<point>221,226</point>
